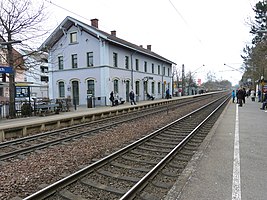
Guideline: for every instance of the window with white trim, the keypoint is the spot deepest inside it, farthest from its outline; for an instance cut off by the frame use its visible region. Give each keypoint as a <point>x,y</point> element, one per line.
<point>60,63</point>
<point>74,61</point>
<point>116,86</point>
<point>61,89</point>
<point>73,37</point>
<point>90,59</point>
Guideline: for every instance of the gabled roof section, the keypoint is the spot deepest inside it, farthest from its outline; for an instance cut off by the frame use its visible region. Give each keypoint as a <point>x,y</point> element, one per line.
<point>61,30</point>
<point>68,22</point>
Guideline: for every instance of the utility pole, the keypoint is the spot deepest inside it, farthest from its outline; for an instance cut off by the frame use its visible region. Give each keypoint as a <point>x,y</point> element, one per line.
<point>183,81</point>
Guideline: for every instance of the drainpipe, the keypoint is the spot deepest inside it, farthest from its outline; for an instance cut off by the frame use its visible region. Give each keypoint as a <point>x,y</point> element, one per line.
<point>162,89</point>
<point>132,69</point>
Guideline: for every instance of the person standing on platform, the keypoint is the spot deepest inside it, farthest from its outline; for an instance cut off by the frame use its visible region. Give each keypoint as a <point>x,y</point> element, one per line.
<point>132,96</point>
<point>111,98</point>
<point>167,93</point>
<point>240,95</point>
<point>264,103</point>
<point>259,95</point>
<point>233,96</point>
<point>244,95</point>
<point>253,94</point>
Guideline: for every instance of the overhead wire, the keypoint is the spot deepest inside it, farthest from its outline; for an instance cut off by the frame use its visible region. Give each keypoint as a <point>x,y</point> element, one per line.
<point>181,16</point>
<point>66,9</point>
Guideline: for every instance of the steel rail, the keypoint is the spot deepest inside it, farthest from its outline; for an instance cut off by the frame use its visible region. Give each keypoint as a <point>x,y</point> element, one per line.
<point>140,184</point>
<point>21,151</point>
<point>3,144</point>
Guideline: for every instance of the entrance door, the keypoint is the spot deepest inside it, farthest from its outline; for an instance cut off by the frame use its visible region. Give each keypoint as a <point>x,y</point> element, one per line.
<point>75,92</point>
<point>145,89</point>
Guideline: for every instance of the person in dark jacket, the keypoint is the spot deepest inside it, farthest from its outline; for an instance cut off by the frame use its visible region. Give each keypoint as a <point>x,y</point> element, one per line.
<point>167,93</point>
<point>240,95</point>
<point>111,98</point>
<point>259,95</point>
<point>132,96</point>
<point>264,103</point>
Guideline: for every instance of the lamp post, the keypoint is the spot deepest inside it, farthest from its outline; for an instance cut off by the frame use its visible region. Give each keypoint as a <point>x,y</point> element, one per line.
<point>190,81</point>
<point>183,81</point>
<point>10,61</point>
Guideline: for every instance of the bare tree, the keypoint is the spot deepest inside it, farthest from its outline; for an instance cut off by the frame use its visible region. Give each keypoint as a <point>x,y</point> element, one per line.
<point>20,22</point>
<point>211,76</point>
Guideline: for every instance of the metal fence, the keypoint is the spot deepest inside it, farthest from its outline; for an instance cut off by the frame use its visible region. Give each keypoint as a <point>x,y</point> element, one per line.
<point>4,109</point>
<point>26,108</point>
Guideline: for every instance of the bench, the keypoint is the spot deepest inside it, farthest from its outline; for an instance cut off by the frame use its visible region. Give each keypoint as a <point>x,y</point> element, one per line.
<point>44,109</point>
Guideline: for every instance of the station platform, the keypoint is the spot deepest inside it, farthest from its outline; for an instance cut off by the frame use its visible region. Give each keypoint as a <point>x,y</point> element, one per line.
<point>20,127</point>
<point>232,161</point>
<point>79,110</point>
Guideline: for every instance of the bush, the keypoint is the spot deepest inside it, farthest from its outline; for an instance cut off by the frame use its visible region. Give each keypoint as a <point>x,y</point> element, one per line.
<point>26,109</point>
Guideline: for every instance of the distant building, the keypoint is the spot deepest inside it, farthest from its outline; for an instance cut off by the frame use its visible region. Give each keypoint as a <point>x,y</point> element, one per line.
<point>87,62</point>
<point>36,74</point>
<point>18,69</point>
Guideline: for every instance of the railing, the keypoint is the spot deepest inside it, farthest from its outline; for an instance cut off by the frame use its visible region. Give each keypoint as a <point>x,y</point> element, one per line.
<point>26,108</point>
<point>4,109</point>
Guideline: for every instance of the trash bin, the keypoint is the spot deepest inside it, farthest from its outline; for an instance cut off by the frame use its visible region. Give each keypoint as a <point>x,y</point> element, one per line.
<point>89,102</point>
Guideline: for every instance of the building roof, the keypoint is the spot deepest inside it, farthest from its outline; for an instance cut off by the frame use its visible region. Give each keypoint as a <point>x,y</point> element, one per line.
<point>68,22</point>
<point>36,55</point>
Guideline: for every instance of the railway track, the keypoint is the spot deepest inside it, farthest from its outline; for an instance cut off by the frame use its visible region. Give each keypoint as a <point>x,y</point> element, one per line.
<point>22,146</point>
<point>145,169</point>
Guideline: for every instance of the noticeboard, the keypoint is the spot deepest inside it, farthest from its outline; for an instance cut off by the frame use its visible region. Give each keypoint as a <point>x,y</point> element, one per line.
<point>22,91</point>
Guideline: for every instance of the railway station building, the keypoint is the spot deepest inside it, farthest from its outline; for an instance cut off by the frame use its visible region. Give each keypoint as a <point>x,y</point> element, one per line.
<point>86,62</point>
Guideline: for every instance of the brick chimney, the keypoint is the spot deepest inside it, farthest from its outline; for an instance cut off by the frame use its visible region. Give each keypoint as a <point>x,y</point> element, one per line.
<point>94,23</point>
<point>148,47</point>
<point>113,33</point>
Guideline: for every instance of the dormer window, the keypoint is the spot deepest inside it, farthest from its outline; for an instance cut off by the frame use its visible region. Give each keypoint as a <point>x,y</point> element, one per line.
<point>73,37</point>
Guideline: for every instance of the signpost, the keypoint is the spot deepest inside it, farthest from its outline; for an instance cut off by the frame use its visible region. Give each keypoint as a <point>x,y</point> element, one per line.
<point>5,69</point>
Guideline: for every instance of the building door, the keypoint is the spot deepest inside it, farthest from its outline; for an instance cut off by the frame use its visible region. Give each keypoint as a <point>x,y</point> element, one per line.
<point>145,89</point>
<point>127,90</point>
<point>75,92</point>
<point>91,88</point>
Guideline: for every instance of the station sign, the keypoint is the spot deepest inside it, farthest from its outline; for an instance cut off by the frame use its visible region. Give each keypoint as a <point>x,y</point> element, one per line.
<point>4,69</point>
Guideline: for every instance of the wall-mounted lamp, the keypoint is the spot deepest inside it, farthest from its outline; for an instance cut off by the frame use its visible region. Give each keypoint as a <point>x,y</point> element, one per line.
<point>68,88</point>
<point>123,81</point>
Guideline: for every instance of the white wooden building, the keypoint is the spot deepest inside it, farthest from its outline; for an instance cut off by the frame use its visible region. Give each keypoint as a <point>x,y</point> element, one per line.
<point>85,61</point>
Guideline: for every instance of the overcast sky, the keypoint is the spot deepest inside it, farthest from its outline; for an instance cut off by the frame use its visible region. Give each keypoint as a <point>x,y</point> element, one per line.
<point>189,32</point>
